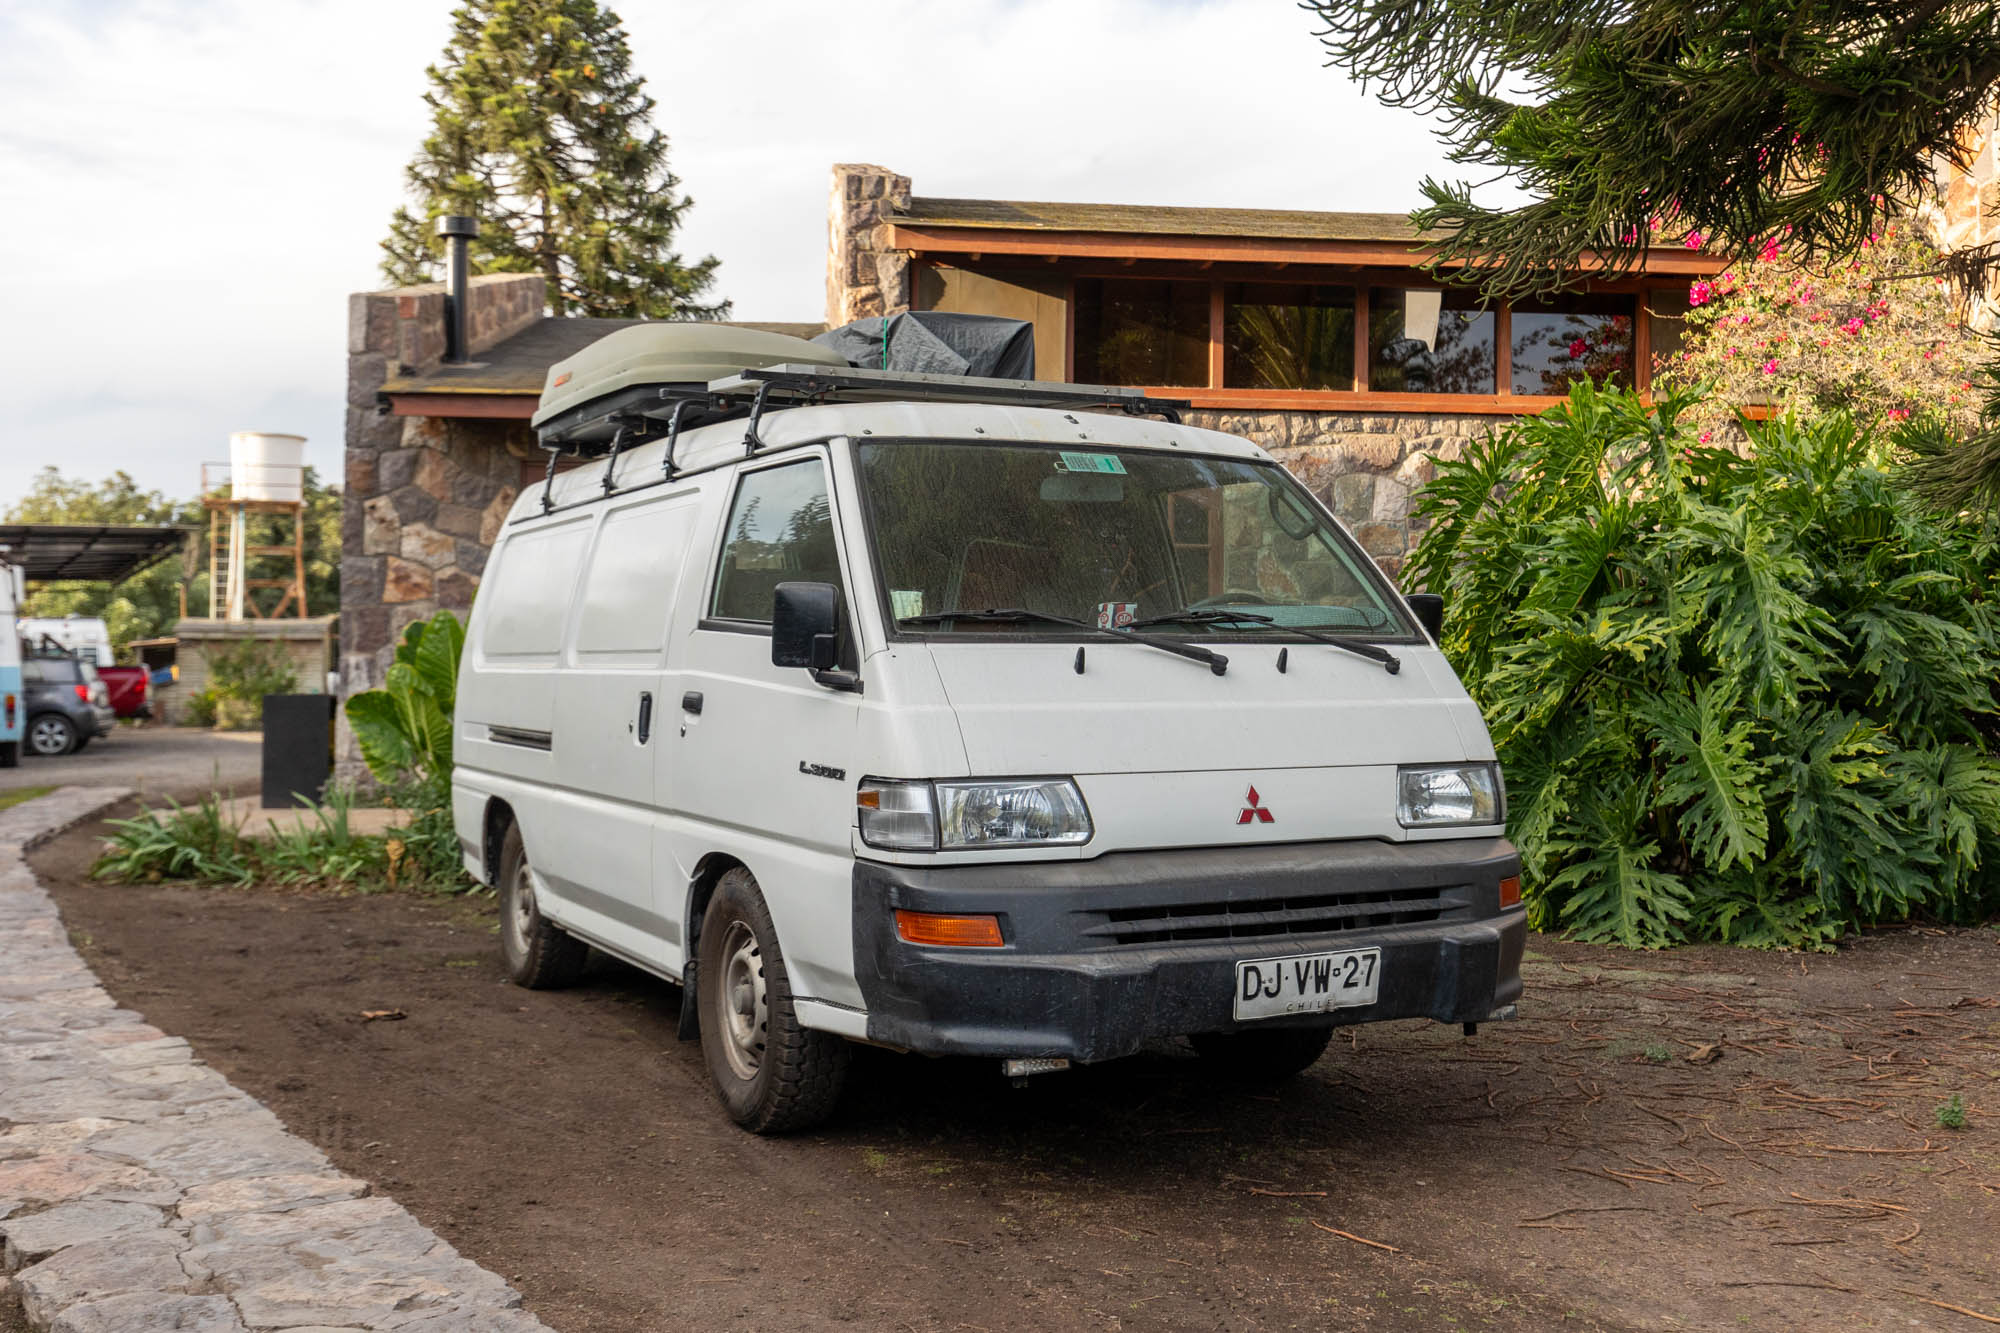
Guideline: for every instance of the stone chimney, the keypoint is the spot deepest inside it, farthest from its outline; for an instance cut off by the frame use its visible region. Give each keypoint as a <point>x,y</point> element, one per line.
<point>863,276</point>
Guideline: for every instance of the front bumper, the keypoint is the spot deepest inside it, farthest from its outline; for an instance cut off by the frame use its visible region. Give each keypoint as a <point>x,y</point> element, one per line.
<point>1103,955</point>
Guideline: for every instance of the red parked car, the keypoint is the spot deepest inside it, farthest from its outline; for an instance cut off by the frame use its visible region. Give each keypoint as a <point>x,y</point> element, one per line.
<point>130,690</point>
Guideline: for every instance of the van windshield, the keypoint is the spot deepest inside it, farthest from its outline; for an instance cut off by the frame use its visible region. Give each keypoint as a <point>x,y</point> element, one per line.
<point>1204,547</point>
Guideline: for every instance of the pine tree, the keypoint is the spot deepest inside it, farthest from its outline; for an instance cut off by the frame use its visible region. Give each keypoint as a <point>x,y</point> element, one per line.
<point>542,131</point>
<point>1814,120</point>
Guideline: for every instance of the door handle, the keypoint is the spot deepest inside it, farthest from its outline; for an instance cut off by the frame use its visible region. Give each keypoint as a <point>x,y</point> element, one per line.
<point>691,702</point>
<point>645,716</point>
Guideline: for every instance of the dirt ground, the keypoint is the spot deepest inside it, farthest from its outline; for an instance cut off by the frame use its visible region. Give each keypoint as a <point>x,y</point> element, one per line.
<point>1704,1139</point>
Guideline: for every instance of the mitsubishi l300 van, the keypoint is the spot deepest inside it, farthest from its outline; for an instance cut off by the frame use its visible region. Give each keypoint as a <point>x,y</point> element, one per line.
<point>973,724</point>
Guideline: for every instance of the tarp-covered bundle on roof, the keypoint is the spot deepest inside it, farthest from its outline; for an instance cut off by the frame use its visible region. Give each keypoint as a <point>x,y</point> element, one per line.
<point>934,342</point>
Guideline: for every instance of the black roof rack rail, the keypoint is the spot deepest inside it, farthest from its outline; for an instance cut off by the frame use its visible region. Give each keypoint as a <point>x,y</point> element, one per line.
<point>817,384</point>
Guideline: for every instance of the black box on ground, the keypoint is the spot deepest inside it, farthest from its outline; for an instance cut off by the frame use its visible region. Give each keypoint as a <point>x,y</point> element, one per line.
<point>298,748</point>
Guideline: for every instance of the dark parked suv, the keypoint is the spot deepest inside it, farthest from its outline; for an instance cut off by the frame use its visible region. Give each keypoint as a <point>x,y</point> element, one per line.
<point>67,705</point>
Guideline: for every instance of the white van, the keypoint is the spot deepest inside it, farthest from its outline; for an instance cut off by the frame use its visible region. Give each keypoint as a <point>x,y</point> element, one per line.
<point>963,727</point>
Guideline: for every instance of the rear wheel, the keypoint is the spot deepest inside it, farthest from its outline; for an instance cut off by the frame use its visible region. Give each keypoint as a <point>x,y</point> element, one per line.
<point>1262,1055</point>
<point>771,1073</point>
<point>539,955</point>
<point>51,734</point>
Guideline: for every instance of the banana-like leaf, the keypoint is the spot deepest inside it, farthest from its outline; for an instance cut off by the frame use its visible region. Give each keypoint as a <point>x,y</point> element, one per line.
<point>436,659</point>
<point>378,730</point>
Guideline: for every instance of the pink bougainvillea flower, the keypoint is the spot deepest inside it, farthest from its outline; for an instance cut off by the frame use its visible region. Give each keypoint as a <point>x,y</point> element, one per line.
<point>1852,326</point>
<point>1700,293</point>
<point>1707,436</point>
<point>1577,347</point>
<point>1693,241</point>
<point>1770,250</point>
<point>1771,366</point>
<point>1899,413</point>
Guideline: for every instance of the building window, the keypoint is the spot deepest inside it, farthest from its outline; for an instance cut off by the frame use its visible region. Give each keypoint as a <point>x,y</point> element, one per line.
<point>1572,337</point>
<point>1422,340</point>
<point>1135,331</point>
<point>1287,337</point>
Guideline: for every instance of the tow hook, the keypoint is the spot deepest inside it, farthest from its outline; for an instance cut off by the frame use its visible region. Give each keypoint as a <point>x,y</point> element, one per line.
<point>1501,1015</point>
<point>1019,1070</point>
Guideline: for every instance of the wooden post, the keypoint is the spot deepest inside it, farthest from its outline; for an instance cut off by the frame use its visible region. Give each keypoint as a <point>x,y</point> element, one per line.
<point>1361,337</point>
<point>1215,332</point>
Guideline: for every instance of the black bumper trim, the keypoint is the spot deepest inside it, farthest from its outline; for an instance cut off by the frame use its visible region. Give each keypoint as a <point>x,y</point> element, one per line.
<point>1061,988</point>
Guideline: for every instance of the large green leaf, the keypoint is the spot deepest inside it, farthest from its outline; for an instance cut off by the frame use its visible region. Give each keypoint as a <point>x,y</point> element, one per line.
<point>379,731</point>
<point>436,659</point>
<point>1711,770</point>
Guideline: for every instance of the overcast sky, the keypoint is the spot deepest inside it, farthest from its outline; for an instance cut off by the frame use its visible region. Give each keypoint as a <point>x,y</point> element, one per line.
<point>192,187</point>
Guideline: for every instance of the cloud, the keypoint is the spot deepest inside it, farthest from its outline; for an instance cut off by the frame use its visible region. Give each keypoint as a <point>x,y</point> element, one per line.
<point>194,187</point>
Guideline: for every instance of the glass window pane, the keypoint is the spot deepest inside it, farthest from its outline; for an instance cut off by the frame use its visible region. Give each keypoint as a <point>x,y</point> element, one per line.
<point>1124,533</point>
<point>1572,337</point>
<point>1137,331</point>
<point>780,531</point>
<point>1287,337</point>
<point>1421,340</point>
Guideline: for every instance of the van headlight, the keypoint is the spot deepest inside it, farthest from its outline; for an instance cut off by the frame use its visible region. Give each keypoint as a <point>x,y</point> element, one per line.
<point>957,816</point>
<point>1442,795</point>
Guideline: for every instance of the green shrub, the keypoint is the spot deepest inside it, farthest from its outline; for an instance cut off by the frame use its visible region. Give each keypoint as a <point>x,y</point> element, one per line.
<point>1747,698</point>
<point>325,850</point>
<point>201,708</point>
<point>404,731</point>
<point>198,842</point>
<point>250,670</point>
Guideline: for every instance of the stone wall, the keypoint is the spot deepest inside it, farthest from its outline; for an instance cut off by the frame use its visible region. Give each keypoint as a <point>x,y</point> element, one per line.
<point>423,497</point>
<point>863,276</point>
<point>1967,212</point>
<point>1367,467</point>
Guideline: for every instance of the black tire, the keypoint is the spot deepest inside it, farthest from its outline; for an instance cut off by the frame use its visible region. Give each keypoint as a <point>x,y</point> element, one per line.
<point>772,1074</point>
<point>10,754</point>
<point>538,955</point>
<point>1262,1055</point>
<point>51,734</point>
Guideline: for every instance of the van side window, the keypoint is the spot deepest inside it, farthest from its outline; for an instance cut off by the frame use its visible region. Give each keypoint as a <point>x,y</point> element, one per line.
<point>780,531</point>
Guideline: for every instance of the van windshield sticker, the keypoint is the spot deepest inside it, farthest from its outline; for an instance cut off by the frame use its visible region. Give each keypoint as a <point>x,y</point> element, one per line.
<point>906,602</point>
<point>1092,463</point>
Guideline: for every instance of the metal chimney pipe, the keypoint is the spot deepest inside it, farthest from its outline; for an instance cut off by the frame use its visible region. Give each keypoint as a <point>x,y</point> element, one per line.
<point>457,230</point>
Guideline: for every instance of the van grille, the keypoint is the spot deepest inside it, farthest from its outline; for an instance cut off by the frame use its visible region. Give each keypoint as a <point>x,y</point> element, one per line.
<point>1315,915</point>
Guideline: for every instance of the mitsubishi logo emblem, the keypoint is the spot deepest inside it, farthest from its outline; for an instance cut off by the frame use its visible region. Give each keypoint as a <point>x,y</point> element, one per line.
<point>1255,812</point>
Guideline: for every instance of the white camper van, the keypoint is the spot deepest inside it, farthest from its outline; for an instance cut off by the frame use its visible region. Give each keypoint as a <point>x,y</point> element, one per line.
<point>951,716</point>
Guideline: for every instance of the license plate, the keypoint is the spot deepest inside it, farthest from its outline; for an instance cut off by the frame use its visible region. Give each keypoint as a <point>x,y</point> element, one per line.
<point>1309,983</point>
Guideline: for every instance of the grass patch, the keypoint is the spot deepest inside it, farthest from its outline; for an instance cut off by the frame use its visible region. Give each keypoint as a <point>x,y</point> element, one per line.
<point>1951,1113</point>
<point>9,799</point>
<point>202,843</point>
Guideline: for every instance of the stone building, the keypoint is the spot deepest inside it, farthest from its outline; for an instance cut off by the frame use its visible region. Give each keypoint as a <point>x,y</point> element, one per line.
<point>1316,334</point>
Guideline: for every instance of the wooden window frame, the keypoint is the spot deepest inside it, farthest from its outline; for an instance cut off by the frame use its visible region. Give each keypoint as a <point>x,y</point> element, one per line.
<point>1216,395</point>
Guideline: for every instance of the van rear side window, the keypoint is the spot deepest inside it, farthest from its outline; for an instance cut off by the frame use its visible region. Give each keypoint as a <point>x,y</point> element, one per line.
<point>532,594</point>
<point>780,531</point>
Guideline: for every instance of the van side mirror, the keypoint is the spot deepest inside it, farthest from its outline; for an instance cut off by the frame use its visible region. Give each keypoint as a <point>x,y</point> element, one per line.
<point>1429,608</point>
<point>805,626</point>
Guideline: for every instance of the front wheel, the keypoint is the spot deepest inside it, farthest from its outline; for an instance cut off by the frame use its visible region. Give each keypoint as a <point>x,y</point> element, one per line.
<point>772,1074</point>
<point>51,734</point>
<point>1262,1055</point>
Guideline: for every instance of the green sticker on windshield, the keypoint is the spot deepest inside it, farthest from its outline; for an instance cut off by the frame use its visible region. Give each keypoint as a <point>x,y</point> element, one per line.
<point>1092,463</point>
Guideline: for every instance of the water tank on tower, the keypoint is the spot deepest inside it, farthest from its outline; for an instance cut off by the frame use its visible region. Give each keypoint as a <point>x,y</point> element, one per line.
<point>267,466</point>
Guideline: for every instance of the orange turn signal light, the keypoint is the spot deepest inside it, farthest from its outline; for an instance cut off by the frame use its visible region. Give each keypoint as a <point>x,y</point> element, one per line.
<point>973,932</point>
<point>1510,892</point>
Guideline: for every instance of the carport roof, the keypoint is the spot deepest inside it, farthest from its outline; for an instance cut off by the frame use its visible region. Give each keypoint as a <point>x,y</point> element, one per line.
<point>91,552</point>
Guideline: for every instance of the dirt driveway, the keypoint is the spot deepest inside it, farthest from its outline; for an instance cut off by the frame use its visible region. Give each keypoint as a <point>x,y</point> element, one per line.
<point>1702,1140</point>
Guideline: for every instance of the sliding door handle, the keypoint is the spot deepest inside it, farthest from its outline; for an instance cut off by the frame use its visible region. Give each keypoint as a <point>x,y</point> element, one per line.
<point>645,716</point>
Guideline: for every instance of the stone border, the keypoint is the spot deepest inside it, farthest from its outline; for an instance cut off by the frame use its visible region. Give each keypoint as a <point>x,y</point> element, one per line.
<point>139,1191</point>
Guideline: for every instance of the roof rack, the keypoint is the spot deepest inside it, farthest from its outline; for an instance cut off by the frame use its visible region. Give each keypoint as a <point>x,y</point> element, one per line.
<point>644,412</point>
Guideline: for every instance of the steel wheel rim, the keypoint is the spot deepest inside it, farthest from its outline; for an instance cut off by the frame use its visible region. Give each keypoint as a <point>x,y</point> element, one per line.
<point>50,736</point>
<point>521,910</point>
<point>745,1004</point>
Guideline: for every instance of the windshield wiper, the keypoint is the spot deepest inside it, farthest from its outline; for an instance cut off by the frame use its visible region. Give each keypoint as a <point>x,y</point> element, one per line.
<point>1215,661</point>
<point>1390,662</point>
